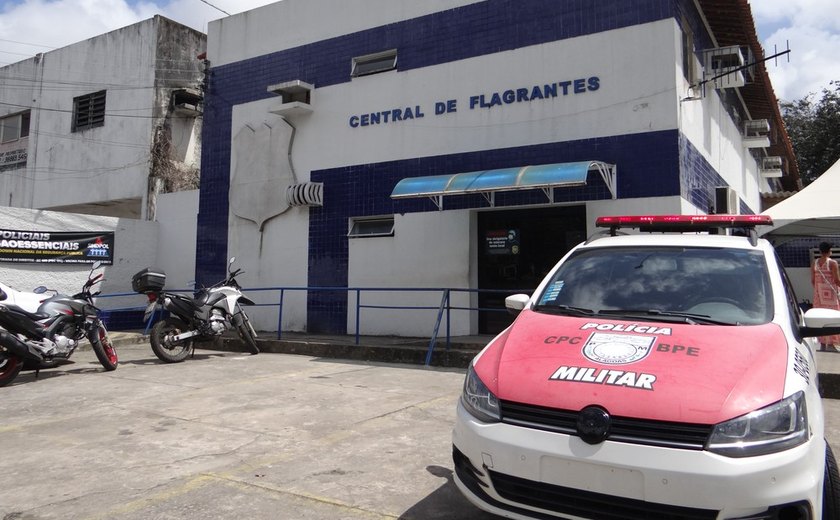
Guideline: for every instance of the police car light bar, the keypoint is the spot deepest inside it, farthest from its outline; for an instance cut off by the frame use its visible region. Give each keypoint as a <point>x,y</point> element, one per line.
<point>711,224</point>
<point>689,222</point>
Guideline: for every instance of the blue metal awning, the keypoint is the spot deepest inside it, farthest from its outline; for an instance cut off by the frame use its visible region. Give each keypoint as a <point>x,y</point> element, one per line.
<point>545,177</point>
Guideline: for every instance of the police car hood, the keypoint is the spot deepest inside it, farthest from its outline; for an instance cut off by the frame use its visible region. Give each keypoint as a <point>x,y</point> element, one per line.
<point>701,374</point>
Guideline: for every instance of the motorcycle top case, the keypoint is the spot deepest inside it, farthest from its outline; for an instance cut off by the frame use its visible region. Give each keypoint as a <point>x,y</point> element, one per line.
<point>149,279</point>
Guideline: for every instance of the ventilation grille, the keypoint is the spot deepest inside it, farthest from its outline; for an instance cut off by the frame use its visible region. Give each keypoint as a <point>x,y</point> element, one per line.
<point>305,194</point>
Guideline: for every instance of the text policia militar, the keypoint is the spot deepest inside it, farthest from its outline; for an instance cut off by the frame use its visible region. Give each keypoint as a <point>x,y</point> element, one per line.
<point>480,101</point>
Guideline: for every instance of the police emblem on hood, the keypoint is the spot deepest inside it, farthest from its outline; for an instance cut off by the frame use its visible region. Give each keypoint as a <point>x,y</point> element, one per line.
<point>617,349</point>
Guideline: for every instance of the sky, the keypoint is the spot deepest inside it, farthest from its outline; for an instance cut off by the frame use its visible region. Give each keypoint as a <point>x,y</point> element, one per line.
<point>809,28</point>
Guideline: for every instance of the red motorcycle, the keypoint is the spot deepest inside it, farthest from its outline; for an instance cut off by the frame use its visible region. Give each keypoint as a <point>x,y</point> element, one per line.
<point>46,335</point>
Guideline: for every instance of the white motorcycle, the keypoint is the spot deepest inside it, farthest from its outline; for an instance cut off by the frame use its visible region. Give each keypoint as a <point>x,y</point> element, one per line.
<point>212,312</point>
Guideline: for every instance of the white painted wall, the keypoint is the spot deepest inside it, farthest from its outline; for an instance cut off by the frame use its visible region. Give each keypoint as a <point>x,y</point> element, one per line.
<point>134,249</point>
<point>288,24</point>
<point>800,278</point>
<point>186,140</point>
<point>704,121</point>
<point>99,164</point>
<point>428,250</point>
<point>177,216</point>
<point>641,206</point>
<point>110,163</point>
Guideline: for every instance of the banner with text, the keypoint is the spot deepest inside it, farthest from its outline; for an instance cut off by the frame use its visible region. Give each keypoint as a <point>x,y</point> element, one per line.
<point>82,247</point>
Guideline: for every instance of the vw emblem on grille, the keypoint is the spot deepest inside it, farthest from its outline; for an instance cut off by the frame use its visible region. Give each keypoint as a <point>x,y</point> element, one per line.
<point>593,424</point>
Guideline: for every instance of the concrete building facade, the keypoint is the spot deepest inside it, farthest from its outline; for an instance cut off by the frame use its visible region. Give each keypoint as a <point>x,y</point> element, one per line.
<point>104,125</point>
<point>342,140</point>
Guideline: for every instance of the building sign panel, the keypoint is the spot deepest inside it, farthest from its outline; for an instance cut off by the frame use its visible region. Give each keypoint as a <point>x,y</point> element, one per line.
<point>502,242</point>
<point>56,247</point>
<point>11,157</point>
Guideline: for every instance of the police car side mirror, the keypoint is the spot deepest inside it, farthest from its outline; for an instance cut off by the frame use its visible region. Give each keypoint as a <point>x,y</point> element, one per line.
<point>821,322</point>
<point>515,303</point>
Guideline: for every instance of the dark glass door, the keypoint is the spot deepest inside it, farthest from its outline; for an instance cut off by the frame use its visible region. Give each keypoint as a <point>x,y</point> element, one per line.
<point>516,249</point>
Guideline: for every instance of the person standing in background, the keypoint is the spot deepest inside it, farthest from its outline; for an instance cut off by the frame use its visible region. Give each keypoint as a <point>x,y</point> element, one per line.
<point>825,278</point>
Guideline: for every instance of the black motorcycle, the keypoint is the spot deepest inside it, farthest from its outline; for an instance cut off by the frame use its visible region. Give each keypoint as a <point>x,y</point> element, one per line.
<point>45,336</point>
<point>212,312</point>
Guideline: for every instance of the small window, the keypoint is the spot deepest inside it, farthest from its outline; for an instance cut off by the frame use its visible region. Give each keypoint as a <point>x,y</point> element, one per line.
<point>24,124</point>
<point>89,111</point>
<point>371,227</point>
<point>688,53</point>
<point>14,127</point>
<point>374,63</point>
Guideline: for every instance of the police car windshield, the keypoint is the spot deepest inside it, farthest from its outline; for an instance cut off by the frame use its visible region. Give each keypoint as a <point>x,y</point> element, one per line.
<point>727,285</point>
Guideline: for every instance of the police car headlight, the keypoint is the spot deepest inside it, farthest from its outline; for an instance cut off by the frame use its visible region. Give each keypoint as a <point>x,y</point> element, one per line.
<point>479,400</point>
<point>775,428</point>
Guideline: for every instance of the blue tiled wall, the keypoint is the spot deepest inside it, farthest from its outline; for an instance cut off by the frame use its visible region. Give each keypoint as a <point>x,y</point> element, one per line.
<point>797,252</point>
<point>648,163</point>
<point>698,179</point>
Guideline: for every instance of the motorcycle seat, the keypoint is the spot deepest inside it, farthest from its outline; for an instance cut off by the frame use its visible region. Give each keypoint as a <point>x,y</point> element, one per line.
<point>34,316</point>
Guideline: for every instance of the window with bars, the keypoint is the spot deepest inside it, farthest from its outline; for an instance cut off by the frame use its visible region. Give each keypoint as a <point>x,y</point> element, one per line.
<point>89,111</point>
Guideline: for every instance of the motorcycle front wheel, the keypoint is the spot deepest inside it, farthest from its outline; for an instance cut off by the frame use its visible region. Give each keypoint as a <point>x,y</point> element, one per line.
<point>246,332</point>
<point>248,338</point>
<point>103,348</point>
<point>162,345</point>
<point>10,367</point>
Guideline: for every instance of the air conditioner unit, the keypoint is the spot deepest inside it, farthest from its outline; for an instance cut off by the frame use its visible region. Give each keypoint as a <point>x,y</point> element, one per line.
<point>186,102</point>
<point>757,133</point>
<point>295,95</point>
<point>771,167</point>
<point>723,67</point>
<point>727,201</point>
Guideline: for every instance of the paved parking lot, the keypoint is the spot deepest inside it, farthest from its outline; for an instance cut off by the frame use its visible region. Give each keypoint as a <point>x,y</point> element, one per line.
<point>226,435</point>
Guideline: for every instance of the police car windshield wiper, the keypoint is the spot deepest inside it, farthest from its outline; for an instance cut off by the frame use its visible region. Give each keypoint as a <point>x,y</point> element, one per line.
<point>564,309</point>
<point>686,317</point>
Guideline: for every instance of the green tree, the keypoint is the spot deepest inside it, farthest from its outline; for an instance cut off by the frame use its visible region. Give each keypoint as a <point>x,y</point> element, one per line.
<point>814,130</point>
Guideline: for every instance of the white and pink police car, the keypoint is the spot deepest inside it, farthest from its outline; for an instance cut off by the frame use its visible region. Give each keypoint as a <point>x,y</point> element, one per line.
<point>668,375</point>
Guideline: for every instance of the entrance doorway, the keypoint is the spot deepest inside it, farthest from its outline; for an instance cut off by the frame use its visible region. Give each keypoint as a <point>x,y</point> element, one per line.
<point>516,249</point>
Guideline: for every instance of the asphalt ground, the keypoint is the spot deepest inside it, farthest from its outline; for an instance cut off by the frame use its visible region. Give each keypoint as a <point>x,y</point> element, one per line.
<point>226,435</point>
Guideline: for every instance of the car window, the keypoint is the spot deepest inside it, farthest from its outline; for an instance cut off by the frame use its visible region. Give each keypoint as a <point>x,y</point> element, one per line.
<point>794,311</point>
<point>727,285</point>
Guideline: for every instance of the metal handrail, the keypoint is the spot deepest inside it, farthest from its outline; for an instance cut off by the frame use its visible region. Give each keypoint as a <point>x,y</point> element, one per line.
<point>444,309</point>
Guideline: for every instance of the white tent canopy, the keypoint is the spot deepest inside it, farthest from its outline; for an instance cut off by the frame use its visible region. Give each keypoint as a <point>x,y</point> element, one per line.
<point>814,211</point>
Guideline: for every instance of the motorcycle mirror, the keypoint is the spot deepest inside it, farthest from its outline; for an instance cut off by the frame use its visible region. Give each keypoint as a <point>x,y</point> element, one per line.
<point>232,260</point>
<point>40,289</point>
<point>96,265</point>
